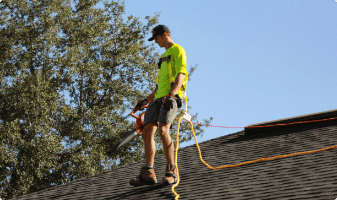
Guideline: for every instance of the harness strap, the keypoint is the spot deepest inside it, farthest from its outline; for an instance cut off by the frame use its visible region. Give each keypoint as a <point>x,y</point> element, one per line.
<point>164,59</point>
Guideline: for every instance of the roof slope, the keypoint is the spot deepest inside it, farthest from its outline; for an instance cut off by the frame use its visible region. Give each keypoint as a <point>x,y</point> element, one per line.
<point>310,176</point>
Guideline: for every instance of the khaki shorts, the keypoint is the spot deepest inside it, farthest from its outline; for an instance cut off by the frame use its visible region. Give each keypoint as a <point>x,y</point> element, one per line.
<point>156,113</point>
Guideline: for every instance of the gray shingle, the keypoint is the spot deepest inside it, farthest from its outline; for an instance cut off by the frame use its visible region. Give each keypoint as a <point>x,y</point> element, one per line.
<point>311,176</point>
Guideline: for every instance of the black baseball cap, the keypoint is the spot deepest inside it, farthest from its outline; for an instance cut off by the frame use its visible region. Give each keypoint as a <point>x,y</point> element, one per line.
<point>159,30</point>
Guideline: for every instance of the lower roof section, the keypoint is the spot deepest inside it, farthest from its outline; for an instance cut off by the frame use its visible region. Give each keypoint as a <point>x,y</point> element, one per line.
<point>309,176</point>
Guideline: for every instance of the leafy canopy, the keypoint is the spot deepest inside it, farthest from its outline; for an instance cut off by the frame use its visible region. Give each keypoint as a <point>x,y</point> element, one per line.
<point>50,52</point>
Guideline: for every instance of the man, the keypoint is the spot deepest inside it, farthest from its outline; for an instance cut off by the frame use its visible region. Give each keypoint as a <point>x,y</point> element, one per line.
<point>164,103</point>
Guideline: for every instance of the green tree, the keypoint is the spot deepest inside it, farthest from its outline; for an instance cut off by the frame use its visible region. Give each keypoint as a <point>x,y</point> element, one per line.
<point>48,50</point>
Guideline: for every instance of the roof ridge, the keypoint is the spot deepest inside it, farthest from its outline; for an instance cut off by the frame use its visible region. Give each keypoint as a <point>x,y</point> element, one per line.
<point>291,122</point>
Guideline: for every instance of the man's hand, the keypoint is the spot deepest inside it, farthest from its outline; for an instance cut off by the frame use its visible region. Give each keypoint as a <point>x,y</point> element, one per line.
<point>169,100</point>
<point>141,104</point>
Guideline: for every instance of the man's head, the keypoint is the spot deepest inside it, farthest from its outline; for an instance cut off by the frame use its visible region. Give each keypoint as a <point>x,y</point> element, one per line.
<point>161,35</point>
<point>160,30</point>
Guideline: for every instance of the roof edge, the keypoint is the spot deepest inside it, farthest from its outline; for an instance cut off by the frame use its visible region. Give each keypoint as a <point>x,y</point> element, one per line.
<point>249,130</point>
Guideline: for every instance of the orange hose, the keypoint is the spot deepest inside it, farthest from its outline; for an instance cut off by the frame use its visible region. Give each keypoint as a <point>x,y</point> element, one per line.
<point>235,165</point>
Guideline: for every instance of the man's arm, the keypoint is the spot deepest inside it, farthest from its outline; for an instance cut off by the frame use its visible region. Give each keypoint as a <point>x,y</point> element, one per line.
<point>178,83</point>
<point>152,95</point>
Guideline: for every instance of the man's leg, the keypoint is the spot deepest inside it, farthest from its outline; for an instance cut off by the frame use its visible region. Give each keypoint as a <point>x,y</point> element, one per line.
<point>164,131</point>
<point>150,147</point>
<point>147,175</point>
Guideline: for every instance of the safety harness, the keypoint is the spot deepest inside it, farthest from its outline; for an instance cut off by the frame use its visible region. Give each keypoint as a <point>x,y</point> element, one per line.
<point>171,76</point>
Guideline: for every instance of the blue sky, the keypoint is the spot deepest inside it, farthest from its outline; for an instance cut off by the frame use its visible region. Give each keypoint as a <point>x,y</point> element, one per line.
<point>257,60</point>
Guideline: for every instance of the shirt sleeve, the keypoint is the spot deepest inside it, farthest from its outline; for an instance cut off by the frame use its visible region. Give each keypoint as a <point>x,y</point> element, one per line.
<point>180,60</point>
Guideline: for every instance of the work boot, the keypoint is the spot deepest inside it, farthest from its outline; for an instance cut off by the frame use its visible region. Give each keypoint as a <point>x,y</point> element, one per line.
<point>171,175</point>
<point>146,177</point>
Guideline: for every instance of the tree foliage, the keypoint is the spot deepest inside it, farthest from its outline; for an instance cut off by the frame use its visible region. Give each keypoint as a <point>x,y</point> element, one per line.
<point>94,57</point>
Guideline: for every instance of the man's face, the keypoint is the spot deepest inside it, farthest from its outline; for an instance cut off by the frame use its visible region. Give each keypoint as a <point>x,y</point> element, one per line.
<point>160,39</point>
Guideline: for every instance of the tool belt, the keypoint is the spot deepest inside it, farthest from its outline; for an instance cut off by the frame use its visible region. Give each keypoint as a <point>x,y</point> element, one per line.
<point>178,99</point>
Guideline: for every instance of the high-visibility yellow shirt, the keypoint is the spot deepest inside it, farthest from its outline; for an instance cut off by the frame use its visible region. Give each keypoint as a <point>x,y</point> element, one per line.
<point>178,64</point>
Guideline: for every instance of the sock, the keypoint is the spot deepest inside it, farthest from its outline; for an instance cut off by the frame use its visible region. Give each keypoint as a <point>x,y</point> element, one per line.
<point>149,167</point>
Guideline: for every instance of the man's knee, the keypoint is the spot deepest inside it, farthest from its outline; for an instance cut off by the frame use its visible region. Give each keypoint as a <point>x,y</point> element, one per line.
<point>150,128</point>
<point>164,129</point>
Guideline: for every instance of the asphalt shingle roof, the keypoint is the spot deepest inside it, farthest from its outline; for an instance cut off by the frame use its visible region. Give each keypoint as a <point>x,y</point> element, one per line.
<point>310,176</point>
